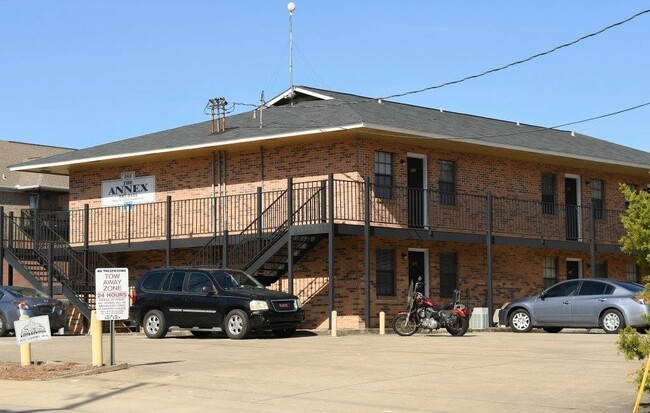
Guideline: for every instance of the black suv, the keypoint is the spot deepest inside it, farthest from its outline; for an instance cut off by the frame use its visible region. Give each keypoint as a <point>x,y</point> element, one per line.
<point>205,300</point>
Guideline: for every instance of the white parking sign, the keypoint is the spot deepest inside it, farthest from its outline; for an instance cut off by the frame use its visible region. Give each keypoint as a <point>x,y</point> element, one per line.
<point>112,293</point>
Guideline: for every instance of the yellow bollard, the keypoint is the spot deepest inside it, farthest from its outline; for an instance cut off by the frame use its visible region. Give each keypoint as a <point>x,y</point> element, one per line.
<point>642,387</point>
<point>334,323</point>
<point>96,333</point>
<point>382,322</point>
<point>25,349</point>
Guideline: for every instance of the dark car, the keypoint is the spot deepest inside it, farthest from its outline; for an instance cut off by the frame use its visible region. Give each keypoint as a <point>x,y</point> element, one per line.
<point>582,303</point>
<point>16,301</point>
<point>205,300</point>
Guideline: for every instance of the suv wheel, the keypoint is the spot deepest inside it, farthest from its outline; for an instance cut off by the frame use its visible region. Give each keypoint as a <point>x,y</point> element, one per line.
<point>154,324</point>
<point>237,325</point>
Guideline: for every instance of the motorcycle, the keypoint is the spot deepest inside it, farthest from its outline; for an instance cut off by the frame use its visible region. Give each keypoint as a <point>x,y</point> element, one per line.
<point>422,313</point>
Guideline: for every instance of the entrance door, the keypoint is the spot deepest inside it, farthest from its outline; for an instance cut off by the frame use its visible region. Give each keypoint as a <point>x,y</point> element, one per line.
<point>571,205</point>
<point>573,269</point>
<point>417,269</point>
<point>415,182</point>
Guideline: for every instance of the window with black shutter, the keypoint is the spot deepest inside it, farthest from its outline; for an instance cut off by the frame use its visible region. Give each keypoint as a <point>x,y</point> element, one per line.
<point>385,271</point>
<point>447,274</point>
<point>548,194</point>
<point>447,183</point>
<point>597,198</point>
<point>383,175</point>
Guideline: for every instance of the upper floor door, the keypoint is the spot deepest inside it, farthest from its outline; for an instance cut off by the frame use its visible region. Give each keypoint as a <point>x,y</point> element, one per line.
<point>416,192</point>
<point>572,212</point>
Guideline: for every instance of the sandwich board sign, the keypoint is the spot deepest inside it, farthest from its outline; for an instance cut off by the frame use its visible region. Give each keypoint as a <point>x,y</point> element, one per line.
<point>32,329</point>
<point>112,293</point>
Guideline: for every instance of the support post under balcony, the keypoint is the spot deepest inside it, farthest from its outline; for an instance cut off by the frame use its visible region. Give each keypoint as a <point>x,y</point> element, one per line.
<point>259,219</point>
<point>488,245</point>
<point>86,235</point>
<point>592,240</point>
<point>330,244</point>
<point>289,230</point>
<point>10,243</point>
<point>168,230</point>
<point>2,244</point>
<point>50,269</point>
<point>366,243</point>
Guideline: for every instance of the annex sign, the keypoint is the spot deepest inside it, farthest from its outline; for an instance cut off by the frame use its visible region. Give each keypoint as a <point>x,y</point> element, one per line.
<point>129,190</point>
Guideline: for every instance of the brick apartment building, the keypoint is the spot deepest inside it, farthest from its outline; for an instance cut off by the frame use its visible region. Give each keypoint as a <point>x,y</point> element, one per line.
<point>342,200</point>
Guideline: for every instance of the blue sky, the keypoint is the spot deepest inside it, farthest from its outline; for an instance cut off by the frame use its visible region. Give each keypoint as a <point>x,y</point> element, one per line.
<point>79,73</point>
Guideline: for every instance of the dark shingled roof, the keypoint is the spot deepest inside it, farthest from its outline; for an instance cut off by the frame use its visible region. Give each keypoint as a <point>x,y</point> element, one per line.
<point>310,114</point>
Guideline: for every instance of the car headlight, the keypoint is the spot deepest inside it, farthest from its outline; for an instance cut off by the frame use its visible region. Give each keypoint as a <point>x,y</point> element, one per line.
<point>258,305</point>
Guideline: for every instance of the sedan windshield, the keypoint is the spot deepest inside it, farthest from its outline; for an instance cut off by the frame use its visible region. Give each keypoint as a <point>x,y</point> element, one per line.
<point>232,279</point>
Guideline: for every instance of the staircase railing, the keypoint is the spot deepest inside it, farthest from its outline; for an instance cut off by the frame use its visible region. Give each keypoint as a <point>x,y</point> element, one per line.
<point>68,264</point>
<point>211,253</point>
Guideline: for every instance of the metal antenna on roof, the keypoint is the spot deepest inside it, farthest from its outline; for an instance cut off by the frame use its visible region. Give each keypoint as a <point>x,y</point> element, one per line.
<point>291,7</point>
<point>261,108</point>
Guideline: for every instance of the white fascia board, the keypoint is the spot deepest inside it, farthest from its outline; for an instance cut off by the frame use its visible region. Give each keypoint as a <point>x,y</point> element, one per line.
<point>42,187</point>
<point>30,168</point>
<point>503,146</point>
<point>287,94</point>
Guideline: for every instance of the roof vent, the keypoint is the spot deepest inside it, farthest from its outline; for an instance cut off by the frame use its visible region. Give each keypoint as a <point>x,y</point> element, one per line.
<point>573,133</point>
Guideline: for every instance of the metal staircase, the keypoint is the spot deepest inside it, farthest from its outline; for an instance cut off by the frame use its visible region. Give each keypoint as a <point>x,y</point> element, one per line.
<point>261,249</point>
<point>48,261</point>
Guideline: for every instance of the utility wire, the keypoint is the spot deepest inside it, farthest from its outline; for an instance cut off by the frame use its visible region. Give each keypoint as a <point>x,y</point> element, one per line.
<point>518,62</point>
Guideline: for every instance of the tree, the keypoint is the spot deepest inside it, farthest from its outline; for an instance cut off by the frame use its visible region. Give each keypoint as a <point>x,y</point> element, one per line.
<point>636,221</point>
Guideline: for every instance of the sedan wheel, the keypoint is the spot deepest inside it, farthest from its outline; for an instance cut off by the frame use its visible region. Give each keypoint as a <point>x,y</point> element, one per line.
<point>520,321</point>
<point>3,326</point>
<point>611,321</point>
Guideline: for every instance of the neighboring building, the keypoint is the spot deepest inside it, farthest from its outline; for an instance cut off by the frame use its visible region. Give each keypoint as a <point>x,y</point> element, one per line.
<point>380,193</point>
<point>20,190</point>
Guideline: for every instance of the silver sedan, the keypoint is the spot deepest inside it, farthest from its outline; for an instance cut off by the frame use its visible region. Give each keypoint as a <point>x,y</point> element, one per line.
<point>16,301</point>
<point>581,303</point>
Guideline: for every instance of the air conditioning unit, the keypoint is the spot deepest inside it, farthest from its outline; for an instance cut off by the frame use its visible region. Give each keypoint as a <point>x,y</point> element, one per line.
<point>480,318</point>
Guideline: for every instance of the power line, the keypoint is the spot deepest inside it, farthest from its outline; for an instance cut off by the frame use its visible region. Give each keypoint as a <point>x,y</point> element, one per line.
<point>518,62</point>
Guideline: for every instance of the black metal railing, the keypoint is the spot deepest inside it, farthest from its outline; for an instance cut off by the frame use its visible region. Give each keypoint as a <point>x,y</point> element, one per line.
<point>400,207</point>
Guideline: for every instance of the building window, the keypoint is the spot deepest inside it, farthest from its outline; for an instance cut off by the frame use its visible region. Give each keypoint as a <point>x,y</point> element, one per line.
<point>597,198</point>
<point>633,188</point>
<point>548,194</point>
<point>385,272</point>
<point>447,183</point>
<point>550,271</point>
<point>601,269</point>
<point>448,274</point>
<point>632,271</point>
<point>383,175</point>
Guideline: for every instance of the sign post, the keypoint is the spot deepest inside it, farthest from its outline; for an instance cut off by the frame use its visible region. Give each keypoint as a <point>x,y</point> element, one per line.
<point>112,298</point>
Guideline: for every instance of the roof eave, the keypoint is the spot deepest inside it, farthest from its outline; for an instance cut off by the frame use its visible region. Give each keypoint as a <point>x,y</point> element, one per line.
<point>503,146</point>
<point>67,164</point>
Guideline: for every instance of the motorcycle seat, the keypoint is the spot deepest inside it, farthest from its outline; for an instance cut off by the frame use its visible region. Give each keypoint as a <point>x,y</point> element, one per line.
<point>440,307</point>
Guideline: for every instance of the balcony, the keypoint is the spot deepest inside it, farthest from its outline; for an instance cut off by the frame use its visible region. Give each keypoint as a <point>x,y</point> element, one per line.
<point>342,202</point>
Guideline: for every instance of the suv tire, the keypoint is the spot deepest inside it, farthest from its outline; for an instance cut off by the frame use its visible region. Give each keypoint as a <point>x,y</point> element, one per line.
<point>236,324</point>
<point>154,324</point>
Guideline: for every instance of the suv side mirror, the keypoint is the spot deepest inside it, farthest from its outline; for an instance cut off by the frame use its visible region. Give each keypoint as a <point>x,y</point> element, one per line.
<point>208,290</point>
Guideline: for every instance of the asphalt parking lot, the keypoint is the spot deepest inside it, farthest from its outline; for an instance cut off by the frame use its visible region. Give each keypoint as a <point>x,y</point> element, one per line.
<point>480,372</point>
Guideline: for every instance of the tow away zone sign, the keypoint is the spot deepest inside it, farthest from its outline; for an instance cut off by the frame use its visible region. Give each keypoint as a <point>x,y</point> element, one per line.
<point>112,293</point>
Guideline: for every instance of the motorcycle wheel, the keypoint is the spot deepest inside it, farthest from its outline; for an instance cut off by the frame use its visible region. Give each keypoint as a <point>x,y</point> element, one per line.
<point>459,328</point>
<point>403,326</point>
